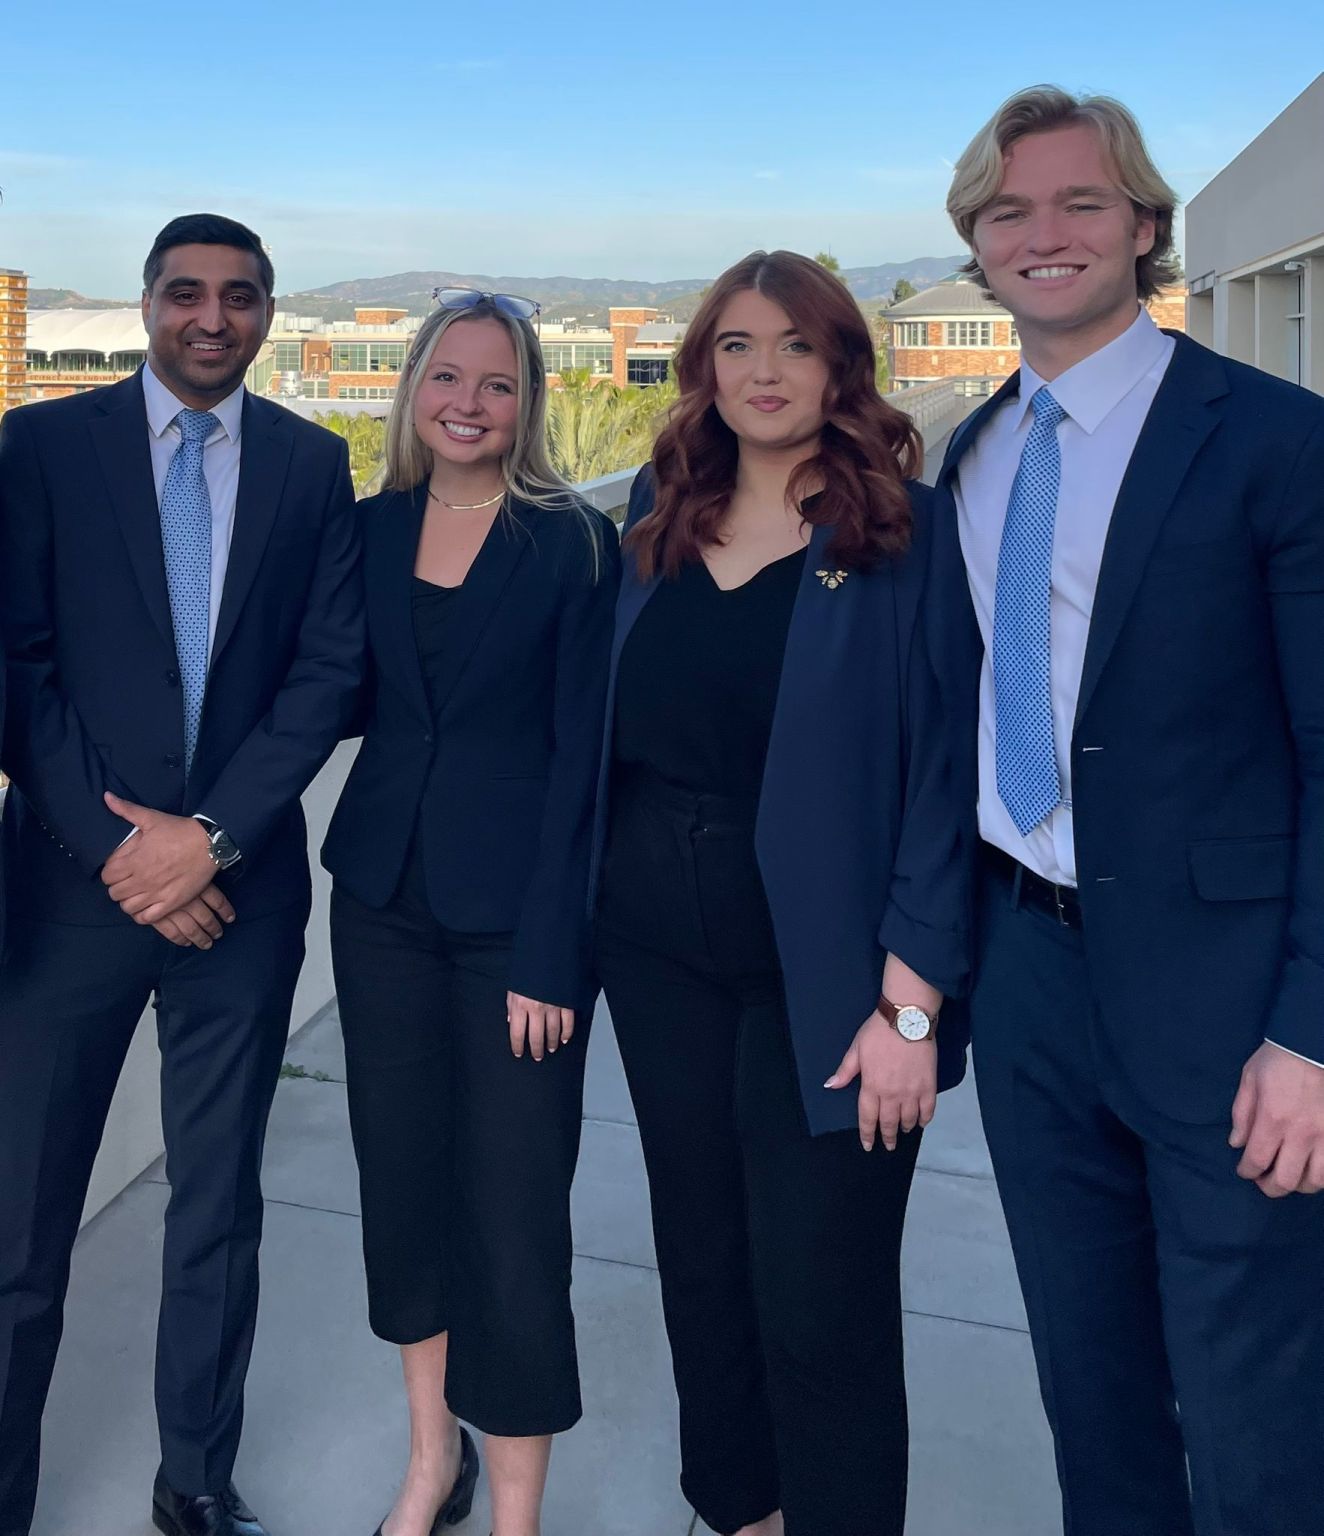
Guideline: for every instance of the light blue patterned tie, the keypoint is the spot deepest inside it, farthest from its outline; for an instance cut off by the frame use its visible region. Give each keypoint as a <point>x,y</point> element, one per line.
<point>1028,781</point>
<point>186,540</point>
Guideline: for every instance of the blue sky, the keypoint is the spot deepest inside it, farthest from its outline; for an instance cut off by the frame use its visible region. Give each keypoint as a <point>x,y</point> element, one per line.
<point>572,136</point>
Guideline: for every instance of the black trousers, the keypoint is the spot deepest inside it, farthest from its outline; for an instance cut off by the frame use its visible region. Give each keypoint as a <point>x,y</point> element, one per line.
<point>1176,1312</point>
<point>466,1156</point>
<point>779,1253</point>
<point>70,998</point>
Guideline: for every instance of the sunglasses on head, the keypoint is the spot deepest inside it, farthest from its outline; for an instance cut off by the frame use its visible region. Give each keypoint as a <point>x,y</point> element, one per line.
<point>470,298</point>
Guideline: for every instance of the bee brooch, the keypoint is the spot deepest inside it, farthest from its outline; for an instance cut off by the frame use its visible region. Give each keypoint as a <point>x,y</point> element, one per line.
<point>831,579</point>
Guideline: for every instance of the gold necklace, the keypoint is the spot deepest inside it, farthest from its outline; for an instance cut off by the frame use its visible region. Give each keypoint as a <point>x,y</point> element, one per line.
<point>466,506</point>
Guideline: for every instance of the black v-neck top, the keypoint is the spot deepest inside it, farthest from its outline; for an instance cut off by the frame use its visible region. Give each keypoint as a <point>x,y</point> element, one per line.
<point>434,622</point>
<point>698,677</point>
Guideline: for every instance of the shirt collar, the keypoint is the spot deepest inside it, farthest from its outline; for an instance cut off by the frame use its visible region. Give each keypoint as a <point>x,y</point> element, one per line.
<point>1091,389</point>
<point>163,407</point>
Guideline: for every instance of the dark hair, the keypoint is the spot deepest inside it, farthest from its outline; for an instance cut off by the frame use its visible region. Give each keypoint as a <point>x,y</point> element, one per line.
<point>207,229</point>
<point>868,448</point>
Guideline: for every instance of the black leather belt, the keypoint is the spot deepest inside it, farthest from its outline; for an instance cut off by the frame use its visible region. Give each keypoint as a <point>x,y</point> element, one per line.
<point>1060,902</point>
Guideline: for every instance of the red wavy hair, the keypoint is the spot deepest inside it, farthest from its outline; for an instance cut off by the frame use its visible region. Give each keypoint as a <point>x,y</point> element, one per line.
<point>867,452</point>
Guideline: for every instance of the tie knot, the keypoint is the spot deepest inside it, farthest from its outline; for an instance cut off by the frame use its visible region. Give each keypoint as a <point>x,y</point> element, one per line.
<point>196,426</point>
<point>1047,412</point>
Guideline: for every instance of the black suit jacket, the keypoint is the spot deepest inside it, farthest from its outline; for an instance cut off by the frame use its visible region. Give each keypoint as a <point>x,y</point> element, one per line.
<point>500,783</point>
<point>1197,756</point>
<point>94,695</point>
<point>858,823</point>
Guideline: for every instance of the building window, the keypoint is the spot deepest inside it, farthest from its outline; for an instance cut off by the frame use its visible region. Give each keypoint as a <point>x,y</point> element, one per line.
<point>647,370</point>
<point>386,356</point>
<point>289,357</point>
<point>562,356</point>
<point>1015,336</point>
<point>912,333</point>
<point>367,356</point>
<point>349,357</point>
<point>969,333</point>
<point>365,392</point>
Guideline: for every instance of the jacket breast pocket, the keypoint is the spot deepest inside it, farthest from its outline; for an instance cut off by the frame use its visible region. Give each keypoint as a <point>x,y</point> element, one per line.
<point>1192,558</point>
<point>1242,868</point>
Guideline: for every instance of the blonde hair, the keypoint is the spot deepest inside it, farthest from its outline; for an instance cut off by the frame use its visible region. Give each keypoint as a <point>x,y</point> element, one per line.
<point>526,465</point>
<point>1040,109</point>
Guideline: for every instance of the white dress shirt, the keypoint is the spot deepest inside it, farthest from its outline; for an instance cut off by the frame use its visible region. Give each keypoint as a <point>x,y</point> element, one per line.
<point>220,465</point>
<point>1106,398</point>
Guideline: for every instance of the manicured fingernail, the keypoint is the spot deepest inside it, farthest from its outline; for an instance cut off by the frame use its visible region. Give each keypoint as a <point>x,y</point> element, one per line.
<point>831,1083</point>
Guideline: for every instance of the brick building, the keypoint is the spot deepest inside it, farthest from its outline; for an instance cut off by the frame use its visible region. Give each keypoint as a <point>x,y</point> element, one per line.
<point>13,336</point>
<point>955,331</point>
<point>305,358</point>
<point>952,331</point>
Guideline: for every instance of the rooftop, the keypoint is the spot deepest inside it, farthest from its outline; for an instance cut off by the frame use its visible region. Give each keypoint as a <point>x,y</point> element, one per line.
<point>325,1433</point>
<point>86,330</point>
<point>958,298</point>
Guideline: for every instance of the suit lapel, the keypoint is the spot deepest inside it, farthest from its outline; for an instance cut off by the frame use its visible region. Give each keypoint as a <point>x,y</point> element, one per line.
<point>265,445</point>
<point>1184,413</point>
<point>120,440</point>
<point>809,635</point>
<point>401,523</point>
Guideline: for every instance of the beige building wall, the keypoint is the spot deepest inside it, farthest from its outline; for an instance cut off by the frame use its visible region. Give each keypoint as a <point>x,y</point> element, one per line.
<point>1255,249</point>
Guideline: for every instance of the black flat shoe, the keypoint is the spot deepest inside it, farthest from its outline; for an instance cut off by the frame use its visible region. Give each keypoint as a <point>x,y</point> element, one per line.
<point>203,1514</point>
<point>460,1500</point>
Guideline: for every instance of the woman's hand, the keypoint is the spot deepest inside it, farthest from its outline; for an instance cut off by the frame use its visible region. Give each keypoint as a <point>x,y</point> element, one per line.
<point>542,1024</point>
<point>898,1081</point>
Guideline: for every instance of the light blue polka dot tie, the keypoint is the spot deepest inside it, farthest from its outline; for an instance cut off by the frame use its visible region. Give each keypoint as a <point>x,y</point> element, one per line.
<point>1028,781</point>
<point>186,540</point>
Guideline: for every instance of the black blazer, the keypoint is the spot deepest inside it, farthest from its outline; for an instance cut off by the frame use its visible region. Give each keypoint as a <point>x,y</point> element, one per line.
<point>501,783</point>
<point>857,827</point>
<point>1198,750</point>
<point>93,683</point>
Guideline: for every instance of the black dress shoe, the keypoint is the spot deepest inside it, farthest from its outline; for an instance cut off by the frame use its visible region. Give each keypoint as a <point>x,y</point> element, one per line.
<point>202,1514</point>
<point>460,1500</point>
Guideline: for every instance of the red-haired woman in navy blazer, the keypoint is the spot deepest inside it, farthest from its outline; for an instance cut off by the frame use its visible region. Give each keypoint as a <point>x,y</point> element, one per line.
<point>779,896</point>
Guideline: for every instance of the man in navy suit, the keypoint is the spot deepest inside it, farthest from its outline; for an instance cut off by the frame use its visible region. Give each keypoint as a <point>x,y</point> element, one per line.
<point>182,612</point>
<point>1142,526</point>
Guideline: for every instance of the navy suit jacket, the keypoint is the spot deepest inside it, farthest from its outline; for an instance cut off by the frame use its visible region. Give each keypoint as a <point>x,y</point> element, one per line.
<point>856,835</point>
<point>1197,756</point>
<point>94,696</point>
<point>500,784</point>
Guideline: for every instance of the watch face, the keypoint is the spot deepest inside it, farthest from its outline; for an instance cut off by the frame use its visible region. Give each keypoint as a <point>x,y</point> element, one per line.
<point>912,1024</point>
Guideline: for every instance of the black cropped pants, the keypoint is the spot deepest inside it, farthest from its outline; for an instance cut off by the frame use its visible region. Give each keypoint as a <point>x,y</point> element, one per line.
<point>779,1252</point>
<point>466,1155</point>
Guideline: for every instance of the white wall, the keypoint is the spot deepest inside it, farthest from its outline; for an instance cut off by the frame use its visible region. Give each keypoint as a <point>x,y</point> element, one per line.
<point>133,1132</point>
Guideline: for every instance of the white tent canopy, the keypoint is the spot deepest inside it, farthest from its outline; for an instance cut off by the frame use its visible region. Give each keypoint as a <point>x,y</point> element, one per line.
<point>85,330</point>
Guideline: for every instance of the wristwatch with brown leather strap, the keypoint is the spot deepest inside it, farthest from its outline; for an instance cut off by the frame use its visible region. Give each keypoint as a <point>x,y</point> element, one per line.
<point>909,1021</point>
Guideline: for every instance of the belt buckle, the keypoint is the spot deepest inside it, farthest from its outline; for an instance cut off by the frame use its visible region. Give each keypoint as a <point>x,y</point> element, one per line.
<point>1060,905</point>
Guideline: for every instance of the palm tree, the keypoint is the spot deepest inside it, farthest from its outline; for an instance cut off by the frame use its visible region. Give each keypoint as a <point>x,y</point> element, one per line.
<point>594,430</point>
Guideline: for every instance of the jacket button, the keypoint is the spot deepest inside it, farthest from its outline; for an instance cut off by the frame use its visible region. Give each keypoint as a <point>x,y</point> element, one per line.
<point>427,738</point>
<point>172,677</point>
<point>173,760</point>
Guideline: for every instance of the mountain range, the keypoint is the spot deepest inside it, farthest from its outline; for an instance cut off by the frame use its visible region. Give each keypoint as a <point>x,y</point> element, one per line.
<point>587,298</point>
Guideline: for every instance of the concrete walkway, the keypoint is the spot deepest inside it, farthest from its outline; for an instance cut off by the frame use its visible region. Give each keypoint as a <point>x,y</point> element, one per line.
<point>325,1432</point>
